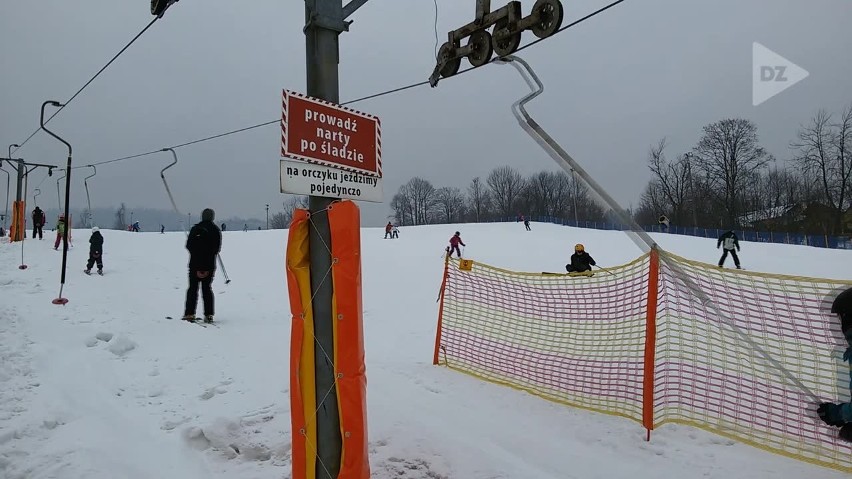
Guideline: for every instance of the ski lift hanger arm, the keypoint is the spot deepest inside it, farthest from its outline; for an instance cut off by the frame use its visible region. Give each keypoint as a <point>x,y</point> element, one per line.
<point>173,163</point>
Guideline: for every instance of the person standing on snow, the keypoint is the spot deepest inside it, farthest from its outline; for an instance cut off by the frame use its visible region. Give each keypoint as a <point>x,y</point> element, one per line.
<point>580,260</point>
<point>203,243</point>
<point>388,228</point>
<point>96,251</point>
<point>60,230</point>
<point>455,241</point>
<point>840,414</point>
<point>394,232</point>
<point>39,219</point>
<point>527,224</point>
<point>729,241</point>
<point>135,227</point>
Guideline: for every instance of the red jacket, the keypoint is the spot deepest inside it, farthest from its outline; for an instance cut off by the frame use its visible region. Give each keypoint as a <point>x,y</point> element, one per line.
<point>456,240</point>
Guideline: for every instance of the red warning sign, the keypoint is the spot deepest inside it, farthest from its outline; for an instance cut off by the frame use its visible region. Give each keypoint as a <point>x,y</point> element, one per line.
<point>318,131</point>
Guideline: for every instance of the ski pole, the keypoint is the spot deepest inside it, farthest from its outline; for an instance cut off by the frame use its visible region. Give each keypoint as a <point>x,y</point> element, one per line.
<point>604,269</point>
<point>222,265</point>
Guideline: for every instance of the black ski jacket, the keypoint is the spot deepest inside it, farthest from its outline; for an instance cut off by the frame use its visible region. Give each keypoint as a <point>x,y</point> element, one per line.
<point>96,243</point>
<point>582,262</point>
<point>203,244</point>
<point>730,241</point>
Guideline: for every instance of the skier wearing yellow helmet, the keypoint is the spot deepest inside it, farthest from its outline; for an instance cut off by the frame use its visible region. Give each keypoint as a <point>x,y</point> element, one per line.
<point>580,260</point>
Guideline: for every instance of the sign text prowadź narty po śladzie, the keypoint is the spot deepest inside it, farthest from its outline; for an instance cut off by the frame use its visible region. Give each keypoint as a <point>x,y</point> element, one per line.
<point>329,134</point>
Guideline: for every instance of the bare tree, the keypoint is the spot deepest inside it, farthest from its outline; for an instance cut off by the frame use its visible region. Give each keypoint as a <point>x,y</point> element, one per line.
<point>479,199</point>
<point>451,203</point>
<point>506,185</point>
<point>421,194</point>
<point>727,154</point>
<point>651,203</point>
<point>282,220</point>
<point>403,211</point>
<point>673,182</point>
<point>120,223</point>
<point>824,150</point>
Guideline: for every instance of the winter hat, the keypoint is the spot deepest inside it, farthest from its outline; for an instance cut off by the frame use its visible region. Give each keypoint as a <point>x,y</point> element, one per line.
<point>95,229</point>
<point>207,215</point>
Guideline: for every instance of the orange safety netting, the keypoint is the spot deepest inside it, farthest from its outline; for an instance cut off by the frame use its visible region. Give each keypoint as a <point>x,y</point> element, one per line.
<point>661,339</point>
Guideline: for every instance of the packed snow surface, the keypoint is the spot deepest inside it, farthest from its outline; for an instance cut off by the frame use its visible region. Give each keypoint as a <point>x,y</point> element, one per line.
<point>106,387</point>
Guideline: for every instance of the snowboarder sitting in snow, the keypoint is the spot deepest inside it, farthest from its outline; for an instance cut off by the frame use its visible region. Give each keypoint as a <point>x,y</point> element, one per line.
<point>455,241</point>
<point>96,251</point>
<point>580,260</point>
<point>203,242</point>
<point>840,414</point>
<point>729,241</point>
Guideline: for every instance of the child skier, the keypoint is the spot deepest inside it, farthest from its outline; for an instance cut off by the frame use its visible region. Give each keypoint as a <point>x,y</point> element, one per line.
<point>388,228</point>
<point>96,251</point>
<point>580,260</point>
<point>60,230</point>
<point>455,241</point>
<point>394,232</point>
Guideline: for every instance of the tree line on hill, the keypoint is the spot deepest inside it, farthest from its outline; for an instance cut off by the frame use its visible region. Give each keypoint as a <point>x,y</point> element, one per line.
<point>727,180</point>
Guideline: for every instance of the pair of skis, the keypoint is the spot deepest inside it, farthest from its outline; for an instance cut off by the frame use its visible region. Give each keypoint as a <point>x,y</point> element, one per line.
<point>197,322</point>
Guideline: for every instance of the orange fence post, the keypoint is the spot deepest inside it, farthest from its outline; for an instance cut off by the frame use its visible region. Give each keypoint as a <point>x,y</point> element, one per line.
<point>441,309</point>
<point>650,342</point>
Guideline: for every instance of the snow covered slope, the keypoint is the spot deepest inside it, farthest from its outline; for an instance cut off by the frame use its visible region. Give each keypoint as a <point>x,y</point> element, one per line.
<point>107,387</point>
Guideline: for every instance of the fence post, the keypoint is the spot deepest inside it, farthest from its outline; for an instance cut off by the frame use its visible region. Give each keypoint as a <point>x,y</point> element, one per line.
<point>650,342</point>
<point>441,308</point>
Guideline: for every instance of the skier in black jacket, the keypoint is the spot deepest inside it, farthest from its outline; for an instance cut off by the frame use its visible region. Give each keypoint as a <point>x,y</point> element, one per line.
<point>580,260</point>
<point>96,251</point>
<point>203,243</point>
<point>729,241</point>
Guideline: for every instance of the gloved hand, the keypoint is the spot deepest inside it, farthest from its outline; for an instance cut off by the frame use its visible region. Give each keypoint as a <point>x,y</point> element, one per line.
<point>829,413</point>
<point>846,432</point>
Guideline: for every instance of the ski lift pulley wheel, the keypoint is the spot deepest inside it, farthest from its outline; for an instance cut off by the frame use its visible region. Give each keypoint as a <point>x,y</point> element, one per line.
<point>481,49</point>
<point>550,13</point>
<point>507,44</point>
<point>449,65</point>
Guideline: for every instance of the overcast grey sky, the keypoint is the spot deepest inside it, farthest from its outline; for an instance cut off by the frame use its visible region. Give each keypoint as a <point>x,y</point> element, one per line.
<point>613,85</point>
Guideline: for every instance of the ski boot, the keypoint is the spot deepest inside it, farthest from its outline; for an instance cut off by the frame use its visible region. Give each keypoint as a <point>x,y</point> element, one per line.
<point>208,319</point>
<point>189,317</point>
<point>101,272</point>
<point>87,271</point>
